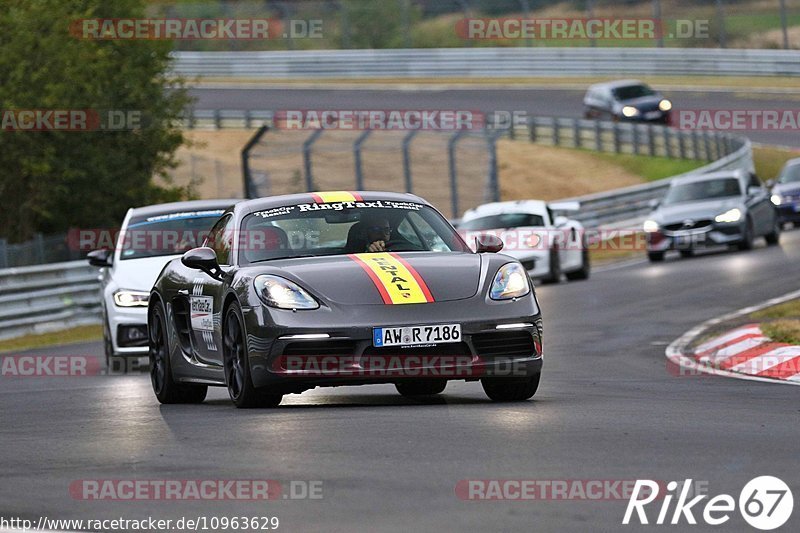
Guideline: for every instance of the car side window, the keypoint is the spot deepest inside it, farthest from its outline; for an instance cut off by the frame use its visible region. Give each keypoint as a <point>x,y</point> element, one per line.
<point>754,181</point>
<point>220,239</point>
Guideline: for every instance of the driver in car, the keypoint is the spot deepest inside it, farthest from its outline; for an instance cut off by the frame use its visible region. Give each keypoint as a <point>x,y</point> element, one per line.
<point>379,232</point>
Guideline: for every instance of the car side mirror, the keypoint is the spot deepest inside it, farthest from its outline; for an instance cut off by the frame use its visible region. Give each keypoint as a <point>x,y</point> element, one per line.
<point>754,191</point>
<point>203,258</point>
<point>560,221</point>
<point>654,203</point>
<point>488,243</point>
<point>100,258</point>
<point>770,183</point>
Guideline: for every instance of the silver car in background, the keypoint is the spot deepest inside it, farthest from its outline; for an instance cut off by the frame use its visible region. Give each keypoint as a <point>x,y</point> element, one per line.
<point>729,208</point>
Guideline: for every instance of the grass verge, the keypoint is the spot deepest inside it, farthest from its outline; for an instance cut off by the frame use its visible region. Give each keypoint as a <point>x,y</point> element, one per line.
<point>52,338</point>
<point>650,168</point>
<point>781,322</point>
<point>768,160</point>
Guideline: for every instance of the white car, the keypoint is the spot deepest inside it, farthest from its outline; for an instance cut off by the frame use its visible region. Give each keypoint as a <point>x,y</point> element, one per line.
<point>546,245</point>
<point>148,239</point>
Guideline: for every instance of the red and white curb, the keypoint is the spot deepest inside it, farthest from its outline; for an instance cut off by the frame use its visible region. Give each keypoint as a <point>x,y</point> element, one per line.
<point>743,353</point>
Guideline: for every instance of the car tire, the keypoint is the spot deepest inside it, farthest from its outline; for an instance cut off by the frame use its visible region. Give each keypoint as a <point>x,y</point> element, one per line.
<point>166,389</point>
<point>511,389</point>
<point>427,387</point>
<point>747,236</point>
<point>554,276</point>
<point>655,257</point>
<point>236,365</point>
<point>584,270</point>
<point>773,238</point>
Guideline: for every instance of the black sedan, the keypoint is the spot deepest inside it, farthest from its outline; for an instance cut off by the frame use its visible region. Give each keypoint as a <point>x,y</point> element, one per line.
<point>341,288</point>
<point>729,208</point>
<point>786,192</point>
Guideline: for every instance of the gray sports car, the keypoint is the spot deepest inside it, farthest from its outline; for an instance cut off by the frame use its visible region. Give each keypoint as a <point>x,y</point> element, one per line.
<point>728,208</point>
<point>341,288</point>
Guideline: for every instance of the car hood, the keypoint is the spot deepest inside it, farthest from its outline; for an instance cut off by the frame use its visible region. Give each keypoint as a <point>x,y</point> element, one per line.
<point>646,103</point>
<point>788,189</point>
<point>695,210</point>
<point>140,274</point>
<point>347,280</point>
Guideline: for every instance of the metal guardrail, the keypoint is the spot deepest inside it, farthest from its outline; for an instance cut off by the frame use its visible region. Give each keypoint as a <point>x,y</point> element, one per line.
<point>486,63</point>
<point>45,298</point>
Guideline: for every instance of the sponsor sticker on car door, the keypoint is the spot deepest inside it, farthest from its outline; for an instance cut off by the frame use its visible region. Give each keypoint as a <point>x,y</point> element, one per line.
<point>202,313</point>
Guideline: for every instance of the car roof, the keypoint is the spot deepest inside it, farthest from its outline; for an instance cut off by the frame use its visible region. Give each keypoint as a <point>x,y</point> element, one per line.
<point>741,175</point>
<point>537,207</point>
<point>792,162</point>
<point>259,204</point>
<point>189,205</point>
<point>616,84</point>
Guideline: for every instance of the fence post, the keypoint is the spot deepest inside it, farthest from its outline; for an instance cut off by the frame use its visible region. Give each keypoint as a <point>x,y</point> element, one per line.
<point>407,159</point>
<point>576,132</point>
<point>556,133</point>
<point>493,188</point>
<point>667,143</point>
<point>635,139</point>
<point>357,154</point>
<point>707,145</point>
<point>217,119</point>
<point>405,5</point>
<point>285,20</point>
<point>615,131</point>
<point>526,12</point>
<point>451,158</point>
<point>651,141</point>
<point>590,15</point>
<point>695,145</point>
<point>721,18</point>
<point>718,142</point>
<point>532,129</point>
<point>3,253</point>
<point>247,177</point>
<point>307,158</point>
<point>682,144</point>
<point>784,25</point>
<point>657,17</point>
<point>598,136</point>
<point>39,238</point>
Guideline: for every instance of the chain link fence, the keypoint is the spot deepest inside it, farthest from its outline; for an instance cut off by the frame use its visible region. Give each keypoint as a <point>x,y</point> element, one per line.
<point>351,24</point>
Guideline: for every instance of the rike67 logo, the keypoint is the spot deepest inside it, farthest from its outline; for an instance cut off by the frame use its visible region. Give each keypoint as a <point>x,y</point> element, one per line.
<point>765,503</point>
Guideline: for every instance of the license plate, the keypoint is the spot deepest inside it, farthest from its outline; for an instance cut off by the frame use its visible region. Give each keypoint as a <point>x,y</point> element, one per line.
<point>652,114</point>
<point>416,335</point>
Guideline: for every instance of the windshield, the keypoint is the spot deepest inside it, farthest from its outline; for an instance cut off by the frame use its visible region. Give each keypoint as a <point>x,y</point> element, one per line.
<point>166,234</point>
<point>312,230</point>
<point>790,174</point>
<point>630,92</point>
<point>703,190</point>
<point>502,221</point>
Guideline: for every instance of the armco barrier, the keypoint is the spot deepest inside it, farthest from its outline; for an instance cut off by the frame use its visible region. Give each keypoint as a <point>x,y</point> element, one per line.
<point>486,63</point>
<point>48,297</point>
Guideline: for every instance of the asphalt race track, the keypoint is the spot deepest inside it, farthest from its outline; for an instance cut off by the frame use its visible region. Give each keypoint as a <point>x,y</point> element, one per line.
<point>607,410</point>
<point>554,102</point>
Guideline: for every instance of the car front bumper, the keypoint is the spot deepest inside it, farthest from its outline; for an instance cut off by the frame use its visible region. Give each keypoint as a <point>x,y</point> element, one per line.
<point>789,212</point>
<point>128,328</point>
<point>286,363</point>
<point>707,237</point>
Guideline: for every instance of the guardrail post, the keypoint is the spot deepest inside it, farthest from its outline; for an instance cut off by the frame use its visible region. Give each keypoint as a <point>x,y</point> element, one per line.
<point>707,145</point>
<point>532,129</point>
<point>682,144</point>
<point>598,136</point>
<point>247,176</point>
<point>556,133</point>
<point>247,119</point>
<point>695,145</point>
<point>451,159</point>
<point>217,119</point>
<point>651,140</point>
<point>667,143</point>
<point>615,131</point>
<point>407,159</point>
<point>576,133</point>
<point>718,142</point>
<point>357,154</point>
<point>307,158</point>
<point>635,139</point>
<point>494,183</point>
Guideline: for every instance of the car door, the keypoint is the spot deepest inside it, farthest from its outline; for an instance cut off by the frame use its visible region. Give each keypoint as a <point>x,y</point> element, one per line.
<point>759,205</point>
<point>205,296</point>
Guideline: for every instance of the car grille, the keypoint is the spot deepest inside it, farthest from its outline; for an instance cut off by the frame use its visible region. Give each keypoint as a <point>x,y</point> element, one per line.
<point>695,224</point>
<point>342,347</point>
<point>504,343</point>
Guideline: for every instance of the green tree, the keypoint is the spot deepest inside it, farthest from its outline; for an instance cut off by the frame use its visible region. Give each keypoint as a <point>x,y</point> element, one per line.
<point>54,180</point>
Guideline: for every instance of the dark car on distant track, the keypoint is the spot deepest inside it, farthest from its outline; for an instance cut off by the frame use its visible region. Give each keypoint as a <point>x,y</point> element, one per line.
<point>786,192</point>
<point>322,289</point>
<point>626,100</point>
<point>716,209</point>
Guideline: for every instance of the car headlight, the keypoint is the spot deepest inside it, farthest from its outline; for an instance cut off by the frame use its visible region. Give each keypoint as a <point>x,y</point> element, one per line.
<point>510,282</point>
<point>282,293</point>
<point>732,215</point>
<point>630,111</point>
<point>776,199</point>
<point>665,105</point>
<point>123,298</point>
<point>650,226</point>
